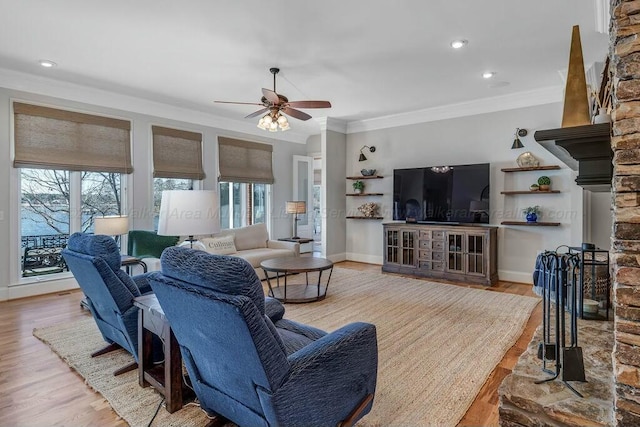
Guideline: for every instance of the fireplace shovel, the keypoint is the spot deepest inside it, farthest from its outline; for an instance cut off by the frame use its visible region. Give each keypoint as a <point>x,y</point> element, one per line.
<point>546,351</point>
<point>572,361</point>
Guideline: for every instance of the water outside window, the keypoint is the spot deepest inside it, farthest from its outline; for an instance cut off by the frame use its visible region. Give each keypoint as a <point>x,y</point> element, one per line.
<point>48,217</point>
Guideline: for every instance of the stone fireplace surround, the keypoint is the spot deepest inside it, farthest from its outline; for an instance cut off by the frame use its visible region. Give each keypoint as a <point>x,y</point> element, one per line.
<point>525,403</point>
<point>625,252</point>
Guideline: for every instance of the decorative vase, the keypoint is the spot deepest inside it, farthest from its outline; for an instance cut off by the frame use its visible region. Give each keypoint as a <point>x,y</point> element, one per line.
<point>544,187</point>
<point>534,187</point>
<point>532,217</point>
<point>358,190</point>
<point>602,116</point>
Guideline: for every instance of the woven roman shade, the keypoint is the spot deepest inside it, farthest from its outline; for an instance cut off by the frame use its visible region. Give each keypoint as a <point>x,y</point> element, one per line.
<point>244,161</point>
<point>49,138</point>
<point>177,153</point>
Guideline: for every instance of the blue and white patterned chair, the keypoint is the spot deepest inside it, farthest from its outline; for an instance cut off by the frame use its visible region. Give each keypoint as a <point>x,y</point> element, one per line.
<point>250,365</point>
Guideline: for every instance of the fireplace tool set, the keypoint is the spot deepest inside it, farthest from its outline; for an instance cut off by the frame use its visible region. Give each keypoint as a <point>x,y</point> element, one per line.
<point>561,357</point>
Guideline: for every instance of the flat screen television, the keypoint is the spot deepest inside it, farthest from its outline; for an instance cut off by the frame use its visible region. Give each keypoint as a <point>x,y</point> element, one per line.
<point>448,194</point>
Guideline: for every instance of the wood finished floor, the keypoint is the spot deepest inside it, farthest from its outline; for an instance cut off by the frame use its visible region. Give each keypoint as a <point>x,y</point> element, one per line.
<point>37,388</point>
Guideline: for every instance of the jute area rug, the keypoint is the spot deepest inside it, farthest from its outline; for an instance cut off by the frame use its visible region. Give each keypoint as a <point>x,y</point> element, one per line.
<point>437,345</point>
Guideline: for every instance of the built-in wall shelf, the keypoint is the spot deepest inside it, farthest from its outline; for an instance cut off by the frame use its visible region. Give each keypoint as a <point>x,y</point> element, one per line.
<point>364,194</point>
<point>529,192</point>
<point>531,224</point>
<point>532,168</point>
<point>365,177</point>
<point>365,217</point>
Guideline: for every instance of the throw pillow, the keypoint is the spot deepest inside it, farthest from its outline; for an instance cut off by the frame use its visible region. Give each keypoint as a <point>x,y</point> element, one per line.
<point>220,245</point>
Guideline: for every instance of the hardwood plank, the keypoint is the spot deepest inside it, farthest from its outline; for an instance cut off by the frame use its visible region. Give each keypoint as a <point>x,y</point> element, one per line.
<point>37,388</point>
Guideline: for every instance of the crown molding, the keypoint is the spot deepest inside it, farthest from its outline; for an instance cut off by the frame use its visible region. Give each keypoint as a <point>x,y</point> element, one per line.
<point>602,15</point>
<point>45,86</point>
<point>333,124</point>
<point>530,98</point>
<point>29,83</point>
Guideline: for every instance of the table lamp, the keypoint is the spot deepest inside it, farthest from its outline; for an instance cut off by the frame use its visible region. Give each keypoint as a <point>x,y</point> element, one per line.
<point>296,207</point>
<point>189,213</point>
<point>115,226</point>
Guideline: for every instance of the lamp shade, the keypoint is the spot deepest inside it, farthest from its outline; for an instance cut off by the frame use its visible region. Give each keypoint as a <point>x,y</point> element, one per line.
<point>188,213</point>
<point>296,207</point>
<point>111,225</point>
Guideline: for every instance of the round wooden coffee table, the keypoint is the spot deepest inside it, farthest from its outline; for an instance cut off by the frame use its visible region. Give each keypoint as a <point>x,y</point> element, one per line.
<point>296,287</point>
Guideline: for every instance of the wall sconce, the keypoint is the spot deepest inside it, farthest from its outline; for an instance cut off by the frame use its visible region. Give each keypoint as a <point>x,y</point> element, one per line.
<point>362,157</point>
<point>516,142</point>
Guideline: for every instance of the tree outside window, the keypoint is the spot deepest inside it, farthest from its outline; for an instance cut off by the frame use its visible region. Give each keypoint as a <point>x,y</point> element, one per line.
<point>46,208</point>
<point>163,184</point>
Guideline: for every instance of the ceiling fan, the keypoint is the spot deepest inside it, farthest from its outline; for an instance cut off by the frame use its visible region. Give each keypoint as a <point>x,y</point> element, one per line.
<point>274,104</point>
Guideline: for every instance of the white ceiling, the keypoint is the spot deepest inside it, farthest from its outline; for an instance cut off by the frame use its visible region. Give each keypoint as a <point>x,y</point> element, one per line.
<point>368,57</point>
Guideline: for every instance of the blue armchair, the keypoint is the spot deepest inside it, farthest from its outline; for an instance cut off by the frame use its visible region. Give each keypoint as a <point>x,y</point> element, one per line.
<point>249,364</point>
<point>95,263</point>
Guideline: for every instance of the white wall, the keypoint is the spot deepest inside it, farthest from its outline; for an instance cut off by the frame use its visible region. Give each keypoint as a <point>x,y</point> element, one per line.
<point>484,138</point>
<point>599,219</point>
<point>139,183</point>
<point>334,230</point>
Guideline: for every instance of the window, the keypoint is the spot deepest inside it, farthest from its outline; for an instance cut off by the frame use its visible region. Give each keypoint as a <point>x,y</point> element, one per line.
<point>101,196</point>
<point>70,171</point>
<point>177,163</point>
<point>246,175</point>
<point>48,212</point>
<point>162,184</point>
<point>242,204</point>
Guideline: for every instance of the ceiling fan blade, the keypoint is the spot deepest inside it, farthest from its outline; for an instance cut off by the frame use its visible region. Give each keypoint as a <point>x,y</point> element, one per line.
<point>257,113</point>
<point>309,104</point>
<point>271,96</point>
<point>241,103</point>
<point>296,113</point>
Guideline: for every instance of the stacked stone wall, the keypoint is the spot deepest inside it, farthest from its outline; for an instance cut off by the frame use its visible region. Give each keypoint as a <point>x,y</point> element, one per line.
<point>625,61</point>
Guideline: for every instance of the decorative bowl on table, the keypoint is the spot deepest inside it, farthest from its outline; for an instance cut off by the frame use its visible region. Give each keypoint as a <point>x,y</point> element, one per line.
<point>367,172</point>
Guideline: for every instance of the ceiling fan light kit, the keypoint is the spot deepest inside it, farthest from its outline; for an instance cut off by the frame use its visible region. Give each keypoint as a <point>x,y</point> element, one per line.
<point>273,122</point>
<point>277,105</point>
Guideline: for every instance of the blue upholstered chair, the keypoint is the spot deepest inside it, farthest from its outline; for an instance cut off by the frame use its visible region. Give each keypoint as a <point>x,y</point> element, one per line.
<point>94,261</point>
<point>249,364</point>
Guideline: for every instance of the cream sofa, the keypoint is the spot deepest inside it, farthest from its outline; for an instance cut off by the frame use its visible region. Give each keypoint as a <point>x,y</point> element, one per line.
<point>251,243</point>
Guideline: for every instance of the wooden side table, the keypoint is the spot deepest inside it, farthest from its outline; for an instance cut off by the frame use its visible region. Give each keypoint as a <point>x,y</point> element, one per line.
<point>127,261</point>
<point>301,240</point>
<point>165,377</point>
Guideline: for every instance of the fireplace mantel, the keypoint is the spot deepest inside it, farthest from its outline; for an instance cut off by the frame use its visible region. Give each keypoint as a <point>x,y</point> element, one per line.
<point>590,146</point>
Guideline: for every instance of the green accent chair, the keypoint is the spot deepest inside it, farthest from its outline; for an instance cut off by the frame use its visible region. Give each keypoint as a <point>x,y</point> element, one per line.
<point>148,246</point>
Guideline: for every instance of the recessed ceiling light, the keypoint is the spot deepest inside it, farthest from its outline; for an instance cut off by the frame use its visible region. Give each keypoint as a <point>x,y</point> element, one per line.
<point>488,74</point>
<point>457,44</point>
<point>46,63</point>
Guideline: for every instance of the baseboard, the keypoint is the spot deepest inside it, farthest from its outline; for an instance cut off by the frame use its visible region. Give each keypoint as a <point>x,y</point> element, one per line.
<point>369,259</point>
<point>4,294</point>
<point>337,257</point>
<point>40,288</point>
<point>515,276</point>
